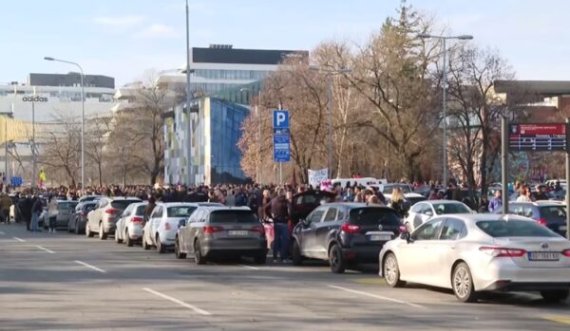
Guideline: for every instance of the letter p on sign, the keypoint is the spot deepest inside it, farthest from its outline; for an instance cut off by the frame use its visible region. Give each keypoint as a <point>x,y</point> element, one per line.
<point>280,119</point>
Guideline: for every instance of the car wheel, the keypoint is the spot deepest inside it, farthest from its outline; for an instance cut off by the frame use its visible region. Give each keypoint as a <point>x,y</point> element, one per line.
<point>554,296</point>
<point>88,232</point>
<point>462,283</point>
<point>336,260</point>
<point>117,239</point>
<point>260,259</point>
<point>296,255</point>
<point>177,252</point>
<point>160,248</point>
<point>145,245</point>
<point>128,239</point>
<point>102,234</point>
<point>391,271</point>
<point>198,258</point>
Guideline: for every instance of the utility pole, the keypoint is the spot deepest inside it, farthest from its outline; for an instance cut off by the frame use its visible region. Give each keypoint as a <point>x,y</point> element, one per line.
<point>189,172</point>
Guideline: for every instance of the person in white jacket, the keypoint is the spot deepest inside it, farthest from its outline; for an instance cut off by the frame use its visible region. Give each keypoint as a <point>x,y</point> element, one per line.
<point>52,213</point>
<point>525,195</point>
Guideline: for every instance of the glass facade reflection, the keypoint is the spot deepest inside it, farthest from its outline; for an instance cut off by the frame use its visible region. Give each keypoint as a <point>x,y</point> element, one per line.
<point>216,131</point>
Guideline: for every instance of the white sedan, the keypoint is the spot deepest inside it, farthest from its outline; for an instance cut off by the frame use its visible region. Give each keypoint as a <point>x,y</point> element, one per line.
<point>480,252</point>
<point>423,211</point>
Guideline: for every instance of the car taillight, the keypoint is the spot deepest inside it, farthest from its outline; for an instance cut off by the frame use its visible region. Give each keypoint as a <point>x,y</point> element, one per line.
<point>209,229</point>
<point>259,229</point>
<point>566,252</point>
<point>167,226</point>
<point>542,221</point>
<point>350,228</point>
<point>137,220</point>
<point>110,211</point>
<point>502,251</point>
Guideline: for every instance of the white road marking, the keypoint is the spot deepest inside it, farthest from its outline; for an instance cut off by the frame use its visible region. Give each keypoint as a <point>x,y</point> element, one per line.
<point>90,266</point>
<point>19,239</point>
<point>380,297</point>
<point>179,302</point>
<point>248,267</point>
<point>45,249</point>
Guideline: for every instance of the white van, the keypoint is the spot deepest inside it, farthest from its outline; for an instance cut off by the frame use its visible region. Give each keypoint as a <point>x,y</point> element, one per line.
<point>366,182</point>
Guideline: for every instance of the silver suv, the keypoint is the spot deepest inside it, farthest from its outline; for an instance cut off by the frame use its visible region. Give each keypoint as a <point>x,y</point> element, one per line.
<point>102,219</point>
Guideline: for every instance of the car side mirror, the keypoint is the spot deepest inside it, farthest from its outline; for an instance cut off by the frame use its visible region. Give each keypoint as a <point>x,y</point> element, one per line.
<point>305,223</point>
<point>182,223</point>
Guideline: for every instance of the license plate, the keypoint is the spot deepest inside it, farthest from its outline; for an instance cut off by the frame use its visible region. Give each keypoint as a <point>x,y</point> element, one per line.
<point>238,233</point>
<point>543,256</point>
<point>380,236</point>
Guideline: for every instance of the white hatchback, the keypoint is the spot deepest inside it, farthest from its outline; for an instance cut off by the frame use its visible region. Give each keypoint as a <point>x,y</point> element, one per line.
<point>129,228</point>
<point>423,211</point>
<point>471,253</point>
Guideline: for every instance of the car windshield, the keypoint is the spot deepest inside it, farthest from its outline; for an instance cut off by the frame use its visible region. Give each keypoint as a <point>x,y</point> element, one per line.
<point>122,204</point>
<point>373,216</point>
<point>553,213</point>
<point>140,210</point>
<point>389,188</point>
<point>65,205</point>
<point>232,216</point>
<point>450,208</point>
<point>180,211</point>
<point>514,228</point>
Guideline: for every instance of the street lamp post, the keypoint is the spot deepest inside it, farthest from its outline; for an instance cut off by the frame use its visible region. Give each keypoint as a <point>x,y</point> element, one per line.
<point>48,58</point>
<point>330,73</point>
<point>190,170</point>
<point>444,39</point>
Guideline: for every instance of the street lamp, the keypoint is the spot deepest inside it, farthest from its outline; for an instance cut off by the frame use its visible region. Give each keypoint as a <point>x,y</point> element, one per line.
<point>48,58</point>
<point>444,39</point>
<point>330,72</point>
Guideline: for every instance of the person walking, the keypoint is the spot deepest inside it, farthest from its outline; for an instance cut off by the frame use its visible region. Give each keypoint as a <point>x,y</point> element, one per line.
<point>52,213</point>
<point>398,203</point>
<point>496,203</point>
<point>37,208</point>
<point>280,214</point>
<point>5,203</point>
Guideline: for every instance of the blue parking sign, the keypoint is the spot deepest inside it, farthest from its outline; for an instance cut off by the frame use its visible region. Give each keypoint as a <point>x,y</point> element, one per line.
<point>280,119</point>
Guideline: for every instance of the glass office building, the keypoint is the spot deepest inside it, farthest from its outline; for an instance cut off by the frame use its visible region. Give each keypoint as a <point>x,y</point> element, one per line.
<point>216,131</point>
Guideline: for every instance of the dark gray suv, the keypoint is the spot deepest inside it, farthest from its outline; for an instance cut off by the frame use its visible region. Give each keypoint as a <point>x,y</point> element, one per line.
<point>344,234</point>
<point>550,214</point>
<point>221,232</point>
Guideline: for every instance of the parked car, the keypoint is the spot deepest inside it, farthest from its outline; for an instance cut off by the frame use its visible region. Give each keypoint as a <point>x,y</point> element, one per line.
<point>423,211</point>
<point>101,220</point>
<point>87,198</point>
<point>78,220</point>
<point>548,213</point>
<point>221,231</point>
<point>471,253</point>
<point>409,195</point>
<point>344,234</point>
<point>160,230</point>
<point>129,228</point>
<point>65,210</point>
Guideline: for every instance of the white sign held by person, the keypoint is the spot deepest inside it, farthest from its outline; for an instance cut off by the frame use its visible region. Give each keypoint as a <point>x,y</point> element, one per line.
<point>317,176</point>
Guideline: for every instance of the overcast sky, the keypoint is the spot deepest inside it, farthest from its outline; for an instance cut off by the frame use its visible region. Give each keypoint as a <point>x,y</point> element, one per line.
<point>124,38</point>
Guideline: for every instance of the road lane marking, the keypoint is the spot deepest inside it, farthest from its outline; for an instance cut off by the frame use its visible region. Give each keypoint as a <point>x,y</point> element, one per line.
<point>558,319</point>
<point>45,249</point>
<point>90,266</point>
<point>248,267</point>
<point>375,296</point>
<point>19,239</point>
<point>179,302</point>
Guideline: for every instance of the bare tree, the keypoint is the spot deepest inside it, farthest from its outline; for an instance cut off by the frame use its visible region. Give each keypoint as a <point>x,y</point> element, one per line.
<point>97,131</point>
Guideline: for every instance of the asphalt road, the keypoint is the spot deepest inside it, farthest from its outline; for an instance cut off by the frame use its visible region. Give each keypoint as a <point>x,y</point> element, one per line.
<point>67,282</point>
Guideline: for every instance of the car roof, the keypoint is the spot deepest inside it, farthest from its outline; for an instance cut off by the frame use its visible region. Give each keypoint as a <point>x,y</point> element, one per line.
<point>124,198</point>
<point>216,208</point>
<point>441,202</point>
<point>538,203</point>
<point>178,204</point>
<point>352,205</point>
<point>472,218</point>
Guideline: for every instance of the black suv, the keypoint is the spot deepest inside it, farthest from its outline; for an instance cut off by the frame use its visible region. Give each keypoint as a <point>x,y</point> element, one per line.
<point>344,234</point>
